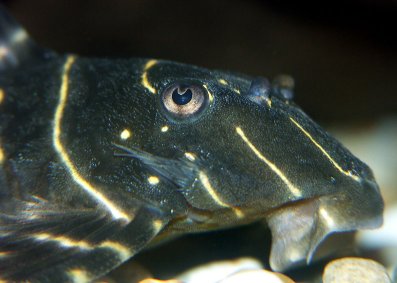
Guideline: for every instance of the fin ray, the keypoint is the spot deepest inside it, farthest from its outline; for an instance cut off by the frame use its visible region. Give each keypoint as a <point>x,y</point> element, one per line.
<point>63,245</point>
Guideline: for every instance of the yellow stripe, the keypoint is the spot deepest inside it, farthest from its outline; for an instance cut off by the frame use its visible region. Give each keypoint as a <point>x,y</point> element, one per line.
<point>145,81</point>
<point>336,165</point>
<point>2,95</point>
<point>86,186</point>
<point>211,191</point>
<point>2,155</point>
<point>294,190</point>
<point>123,251</point>
<point>63,241</point>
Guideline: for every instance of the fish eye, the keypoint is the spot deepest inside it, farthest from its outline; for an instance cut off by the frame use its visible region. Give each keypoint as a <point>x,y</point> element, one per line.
<point>183,100</point>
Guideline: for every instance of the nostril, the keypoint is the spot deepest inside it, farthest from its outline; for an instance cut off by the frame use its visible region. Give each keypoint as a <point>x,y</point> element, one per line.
<point>259,91</point>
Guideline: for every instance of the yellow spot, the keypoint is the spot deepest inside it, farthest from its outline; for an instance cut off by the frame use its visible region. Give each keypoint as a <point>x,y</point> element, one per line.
<point>269,102</point>
<point>78,275</point>
<point>336,165</point>
<point>210,96</point>
<point>62,241</point>
<point>294,190</point>
<point>145,81</point>
<point>222,81</point>
<point>123,251</point>
<point>190,156</point>
<point>153,180</point>
<point>2,95</point>
<point>164,129</point>
<point>125,134</point>
<point>62,152</point>
<point>157,225</point>
<point>236,90</point>
<point>211,191</point>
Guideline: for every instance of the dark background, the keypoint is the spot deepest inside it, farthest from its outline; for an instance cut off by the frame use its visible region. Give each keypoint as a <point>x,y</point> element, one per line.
<point>342,54</point>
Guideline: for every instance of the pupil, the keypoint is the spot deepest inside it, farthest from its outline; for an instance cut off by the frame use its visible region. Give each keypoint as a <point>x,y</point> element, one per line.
<point>182,98</point>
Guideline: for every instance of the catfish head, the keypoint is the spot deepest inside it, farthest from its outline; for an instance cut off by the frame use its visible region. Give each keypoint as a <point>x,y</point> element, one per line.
<point>238,149</point>
<point>99,158</point>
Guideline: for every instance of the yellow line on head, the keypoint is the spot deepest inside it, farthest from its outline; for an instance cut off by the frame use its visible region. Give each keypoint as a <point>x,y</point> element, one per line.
<point>294,190</point>
<point>336,165</point>
<point>212,192</point>
<point>144,78</point>
<point>56,137</point>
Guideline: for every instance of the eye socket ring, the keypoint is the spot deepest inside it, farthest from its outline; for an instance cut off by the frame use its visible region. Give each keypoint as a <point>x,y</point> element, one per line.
<point>184,100</point>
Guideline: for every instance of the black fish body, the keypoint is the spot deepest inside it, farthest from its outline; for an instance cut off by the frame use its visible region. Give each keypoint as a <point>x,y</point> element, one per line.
<point>99,158</point>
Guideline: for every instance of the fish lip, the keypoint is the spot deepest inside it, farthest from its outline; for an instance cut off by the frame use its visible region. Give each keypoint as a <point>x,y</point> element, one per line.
<point>300,227</point>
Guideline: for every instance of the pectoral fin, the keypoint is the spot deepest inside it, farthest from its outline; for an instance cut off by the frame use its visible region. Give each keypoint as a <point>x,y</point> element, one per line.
<point>41,244</point>
<point>179,172</point>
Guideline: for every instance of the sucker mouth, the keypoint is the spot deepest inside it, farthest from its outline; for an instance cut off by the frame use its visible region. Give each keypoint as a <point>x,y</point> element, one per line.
<point>299,228</point>
<point>293,227</point>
